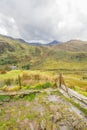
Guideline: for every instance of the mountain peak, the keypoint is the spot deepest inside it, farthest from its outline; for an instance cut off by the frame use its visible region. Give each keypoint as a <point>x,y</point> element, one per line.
<point>54,42</point>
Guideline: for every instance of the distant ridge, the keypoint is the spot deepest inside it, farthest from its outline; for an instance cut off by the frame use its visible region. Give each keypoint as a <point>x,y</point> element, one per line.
<point>55,42</point>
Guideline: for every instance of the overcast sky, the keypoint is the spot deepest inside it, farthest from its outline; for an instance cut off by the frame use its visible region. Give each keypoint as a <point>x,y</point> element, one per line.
<point>44,20</point>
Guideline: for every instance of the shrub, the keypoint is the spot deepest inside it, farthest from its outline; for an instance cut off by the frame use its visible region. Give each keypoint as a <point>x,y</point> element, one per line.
<point>4,88</point>
<point>4,98</point>
<point>16,97</point>
<point>7,68</point>
<point>26,76</point>
<point>2,71</point>
<point>2,83</point>
<point>26,87</point>
<point>8,82</point>
<point>44,86</point>
<point>84,77</point>
<point>37,77</point>
<point>26,67</point>
<point>30,97</point>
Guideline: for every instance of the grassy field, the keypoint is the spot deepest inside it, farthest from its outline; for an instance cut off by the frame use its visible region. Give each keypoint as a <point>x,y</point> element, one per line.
<point>41,110</point>
<point>34,79</point>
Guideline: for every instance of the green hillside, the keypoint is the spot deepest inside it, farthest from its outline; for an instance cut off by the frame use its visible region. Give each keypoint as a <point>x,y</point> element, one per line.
<point>13,52</point>
<point>69,55</point>
<point>73,46</point>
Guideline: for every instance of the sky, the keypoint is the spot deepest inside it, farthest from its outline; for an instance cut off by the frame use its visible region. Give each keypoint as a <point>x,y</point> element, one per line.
<point>44,20</point>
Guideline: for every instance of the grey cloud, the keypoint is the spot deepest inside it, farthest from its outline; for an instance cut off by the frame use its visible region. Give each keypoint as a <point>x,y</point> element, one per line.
<point>44,19</point>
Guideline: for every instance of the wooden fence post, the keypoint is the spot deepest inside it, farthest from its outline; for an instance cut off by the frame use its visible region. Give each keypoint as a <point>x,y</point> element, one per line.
<point>62,82</point>
<point>60,79</point>
<point>19,81</point>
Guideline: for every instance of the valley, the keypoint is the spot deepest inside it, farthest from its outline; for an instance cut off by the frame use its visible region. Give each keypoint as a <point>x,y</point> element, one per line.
<point>30,97</point>
<point>69,55</point>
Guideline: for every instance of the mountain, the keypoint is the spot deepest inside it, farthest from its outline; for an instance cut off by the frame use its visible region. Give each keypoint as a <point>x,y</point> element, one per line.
<point>15,52</point>
<point>36,44</point>
<point>68,55</point>
<point>55,42</point>
<point>45,44</point>
<point>73,46</point>
<point>21,40</point>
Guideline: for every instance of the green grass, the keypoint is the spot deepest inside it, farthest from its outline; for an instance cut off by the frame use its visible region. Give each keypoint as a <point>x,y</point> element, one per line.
<point>4,125</point>
<point>11,74</point>
<point>33,115</point>
<point>3,98</point>
<point>73,79</point>
<point>43,86</point>
<point>45,79</point>
<point>77,83</point>
<point>30,97</point>
<point>83,93</point>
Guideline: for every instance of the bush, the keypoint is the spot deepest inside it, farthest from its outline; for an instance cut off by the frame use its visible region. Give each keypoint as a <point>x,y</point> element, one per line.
<point>84,78</point>
<point>44,86</point>
<point>8,82</point>
<point>26,76</point>
<point>2,71</point>
<point>30,97</point>
<point>4,88</point>
<point>4,98</point>
<point>26,67</point>
<point>16,97</point>
<point>37,77</point>
<point>8,60</point>
<point>26,87</point>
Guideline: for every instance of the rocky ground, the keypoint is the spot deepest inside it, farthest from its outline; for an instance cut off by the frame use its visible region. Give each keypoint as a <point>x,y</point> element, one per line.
<point>43,111</point>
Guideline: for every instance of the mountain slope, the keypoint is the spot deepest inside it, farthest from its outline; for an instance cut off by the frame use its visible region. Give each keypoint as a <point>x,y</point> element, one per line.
<point>15,52</point>
<point>73,46</point>
<point>69,55</point>
<point>55,42</point>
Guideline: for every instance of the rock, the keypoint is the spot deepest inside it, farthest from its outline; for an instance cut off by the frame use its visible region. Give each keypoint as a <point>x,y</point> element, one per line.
<point>43,124</point>
<point>53,98</point>
<point>64,128</point>
<point>80,125</point>
<point>21,96</point>
<point>58,117</point>
<point>75,123</point>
